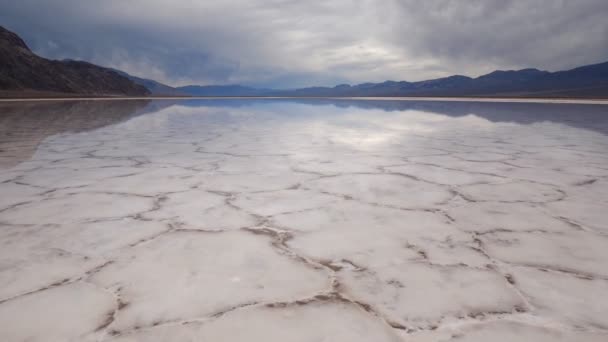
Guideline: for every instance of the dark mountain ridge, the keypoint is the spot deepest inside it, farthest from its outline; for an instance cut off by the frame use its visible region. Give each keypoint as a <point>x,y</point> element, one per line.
<point>587,81</point>
<point>23,71</point>
<point>223,90</point>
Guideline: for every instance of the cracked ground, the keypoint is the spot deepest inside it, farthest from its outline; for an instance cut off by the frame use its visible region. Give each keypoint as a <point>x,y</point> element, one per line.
<point>303,221</point>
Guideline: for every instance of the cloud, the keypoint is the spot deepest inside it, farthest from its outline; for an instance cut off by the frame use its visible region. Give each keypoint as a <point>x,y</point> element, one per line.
<point>289,43</point>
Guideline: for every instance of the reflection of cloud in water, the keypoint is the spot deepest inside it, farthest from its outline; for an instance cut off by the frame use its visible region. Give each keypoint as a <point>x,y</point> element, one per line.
<point>371,129</point>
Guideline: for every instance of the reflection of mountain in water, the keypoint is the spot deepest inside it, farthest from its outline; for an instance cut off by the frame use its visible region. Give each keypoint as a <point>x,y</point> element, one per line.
<point>24,125</point>
<point>586,116</point>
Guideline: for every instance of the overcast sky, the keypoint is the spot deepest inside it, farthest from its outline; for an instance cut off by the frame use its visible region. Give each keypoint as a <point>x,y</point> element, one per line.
<point>294,43</point>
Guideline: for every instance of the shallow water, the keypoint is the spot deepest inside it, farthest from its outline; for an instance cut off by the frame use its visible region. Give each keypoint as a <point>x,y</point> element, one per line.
<point>303,221</point>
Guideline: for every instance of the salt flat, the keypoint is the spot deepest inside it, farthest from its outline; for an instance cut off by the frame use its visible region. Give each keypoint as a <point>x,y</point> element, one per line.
<point>303,220</point>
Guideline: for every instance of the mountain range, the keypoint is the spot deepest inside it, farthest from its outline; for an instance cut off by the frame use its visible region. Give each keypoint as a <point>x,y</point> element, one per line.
<point>589,81</point>
<point>23,72</point>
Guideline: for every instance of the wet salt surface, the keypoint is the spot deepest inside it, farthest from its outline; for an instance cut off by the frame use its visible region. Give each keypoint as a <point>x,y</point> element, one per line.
<point>275,220</point>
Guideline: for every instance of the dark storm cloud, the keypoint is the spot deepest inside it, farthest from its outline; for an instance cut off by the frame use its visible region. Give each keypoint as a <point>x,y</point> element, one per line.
<point>294,43</point>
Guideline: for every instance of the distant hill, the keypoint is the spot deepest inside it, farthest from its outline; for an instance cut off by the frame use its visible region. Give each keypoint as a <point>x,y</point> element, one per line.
<point>588,81</point>
<point>223,90</point>
<point>22,71</point>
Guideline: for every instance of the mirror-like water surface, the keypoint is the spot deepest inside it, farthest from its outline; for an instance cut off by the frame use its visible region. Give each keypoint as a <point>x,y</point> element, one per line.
<point>276,220</point>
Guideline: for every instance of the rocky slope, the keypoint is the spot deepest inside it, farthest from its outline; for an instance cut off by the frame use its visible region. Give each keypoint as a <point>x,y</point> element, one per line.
<point>22,71</point>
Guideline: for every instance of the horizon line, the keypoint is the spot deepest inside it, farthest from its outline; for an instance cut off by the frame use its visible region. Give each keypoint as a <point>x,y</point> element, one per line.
<point>598,101</point>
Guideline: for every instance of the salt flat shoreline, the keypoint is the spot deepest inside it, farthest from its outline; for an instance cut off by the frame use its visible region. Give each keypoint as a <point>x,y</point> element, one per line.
<point>446,99</point>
